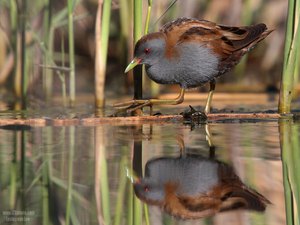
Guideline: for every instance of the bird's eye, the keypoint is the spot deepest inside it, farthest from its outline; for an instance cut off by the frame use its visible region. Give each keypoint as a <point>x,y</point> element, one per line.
<point>147,50</point>
<point>146,188</point>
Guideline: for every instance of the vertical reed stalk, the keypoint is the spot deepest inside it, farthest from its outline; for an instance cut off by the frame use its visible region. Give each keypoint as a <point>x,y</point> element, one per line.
<point>101,178</point>
<point>289,143</point>
<point>23,56</point>
<point>47,74</point>
<point>46,174</point>
<point>101,42</point>
<point>292,40</point>
<point>16,40</point>
<point>63,77</point>
<point>72,83</point>
<point>48,61</point>
<point>137,211</point>
<point>121,191</point>
<point>125,18</point>
<point>70,175</point>
<point>130,205</point>
<point>137,34</point>
<point>148,16</point>
<point>138,170</point>
<point>146,213</point>
<point>45,190</point>
<point>104,186</point>
<point>23,169</point>
<point>154,87</point>
<point>13,174</point>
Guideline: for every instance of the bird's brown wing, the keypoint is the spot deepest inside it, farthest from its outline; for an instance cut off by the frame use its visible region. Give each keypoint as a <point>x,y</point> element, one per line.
<point>237,41</point>
<point>222,39</point>
<point>237,197</point>
<point>227,42</point>
<point>179,29</point>
<point>180,25</point>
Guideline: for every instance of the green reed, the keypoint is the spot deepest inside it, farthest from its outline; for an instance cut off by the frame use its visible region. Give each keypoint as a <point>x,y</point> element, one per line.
<point>290,151</point>
<point>291,57</point>
<point>48,40</point>
<point>137,34</point>
<point>57,21</point>
<point>24,74</point>
<point>121,190</point>
<point>13,173</point>
<point>101,185</point>
<point>45,188</point>
<point>125,39</point>
<point>72,83</point>
<point>148,16</point>
<point>101,41</point>
<point>15,43</point>
<point>129,215</point>
<point>63,77</point>
<point>104,187</point>
<point>70,175</point>
<point>154,88</point>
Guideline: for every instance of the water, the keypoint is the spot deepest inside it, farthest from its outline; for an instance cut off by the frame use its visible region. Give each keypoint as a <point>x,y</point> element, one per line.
<point>83,174</point>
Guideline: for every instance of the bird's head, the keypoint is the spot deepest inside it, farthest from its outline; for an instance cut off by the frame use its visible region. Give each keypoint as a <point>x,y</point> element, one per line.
<point>149,191</point>
<point>148,50</point>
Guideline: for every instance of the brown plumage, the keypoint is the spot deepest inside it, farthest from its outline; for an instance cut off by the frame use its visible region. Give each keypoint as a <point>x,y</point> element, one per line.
<point>227,42</point>
<point>192,52</point>
<point>194,187</point>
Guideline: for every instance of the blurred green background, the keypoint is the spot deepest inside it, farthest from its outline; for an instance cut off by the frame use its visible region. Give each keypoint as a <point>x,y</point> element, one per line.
<point>47,46</point>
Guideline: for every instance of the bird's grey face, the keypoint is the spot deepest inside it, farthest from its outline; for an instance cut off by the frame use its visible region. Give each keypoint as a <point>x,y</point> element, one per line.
<point>151,51</point>
<point>148,50</point>
<point>150,191</point>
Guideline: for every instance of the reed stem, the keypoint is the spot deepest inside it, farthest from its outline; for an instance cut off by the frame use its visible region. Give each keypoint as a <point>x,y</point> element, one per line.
<point>101,41</point>
<point>137,34</point>
<point>148,16</point>
<point>70,175</point>
<point>71,51</point>
<point>289,142</point>
<point>47,74</point>
<point>121,191</point>
<point>292,39</point>
<point>23,56</point>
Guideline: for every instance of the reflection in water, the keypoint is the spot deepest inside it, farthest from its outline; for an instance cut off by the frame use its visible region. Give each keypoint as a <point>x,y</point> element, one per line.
<point>290,150</point>
<point>193,187</point>
<point>78,173</point>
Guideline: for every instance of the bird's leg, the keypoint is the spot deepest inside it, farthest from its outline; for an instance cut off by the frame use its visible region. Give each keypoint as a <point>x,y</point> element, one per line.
<point>210,142</point>
<point>130,103</point>
<point>140,103</point>
<point>151,102</point>
<point>180,142</point>
<point>212,85</point>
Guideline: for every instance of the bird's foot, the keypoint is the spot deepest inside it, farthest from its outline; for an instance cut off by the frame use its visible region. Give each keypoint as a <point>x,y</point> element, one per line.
<point>132,106</point>
<point>129,104</point>
<point>193,116</point>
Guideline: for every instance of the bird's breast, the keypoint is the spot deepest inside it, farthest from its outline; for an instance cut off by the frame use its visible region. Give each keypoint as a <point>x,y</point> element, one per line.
<point>193,66</point>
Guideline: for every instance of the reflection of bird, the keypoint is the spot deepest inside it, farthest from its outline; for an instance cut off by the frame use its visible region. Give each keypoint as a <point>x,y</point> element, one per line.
<point>192,52</point>
<point>194,187</point>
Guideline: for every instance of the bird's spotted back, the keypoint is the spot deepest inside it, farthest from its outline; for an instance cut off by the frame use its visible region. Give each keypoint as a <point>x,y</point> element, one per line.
<point>183,21</point>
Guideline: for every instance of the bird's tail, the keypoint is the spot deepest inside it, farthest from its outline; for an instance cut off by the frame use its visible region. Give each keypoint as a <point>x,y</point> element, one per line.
<point>244,197</point>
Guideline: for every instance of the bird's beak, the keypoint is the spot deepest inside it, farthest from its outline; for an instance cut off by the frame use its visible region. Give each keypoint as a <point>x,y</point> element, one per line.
<point>134,63</point>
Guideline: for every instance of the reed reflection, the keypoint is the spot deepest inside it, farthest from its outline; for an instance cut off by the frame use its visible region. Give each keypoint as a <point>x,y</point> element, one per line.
<point>192,186</point>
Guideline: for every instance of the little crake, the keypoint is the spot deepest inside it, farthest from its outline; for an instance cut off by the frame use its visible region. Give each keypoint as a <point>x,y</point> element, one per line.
<point>193,187</point>
<point>191,52</point>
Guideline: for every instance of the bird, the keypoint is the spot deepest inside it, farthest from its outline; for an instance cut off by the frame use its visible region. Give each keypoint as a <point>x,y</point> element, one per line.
<point>193,187</point>
<point>191,52</point>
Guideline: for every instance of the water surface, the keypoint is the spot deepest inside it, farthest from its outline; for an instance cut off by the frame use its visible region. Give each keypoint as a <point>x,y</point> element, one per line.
<point>81,174</point>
